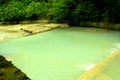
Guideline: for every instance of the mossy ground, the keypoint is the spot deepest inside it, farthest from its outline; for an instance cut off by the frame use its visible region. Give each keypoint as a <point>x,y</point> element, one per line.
<point>9,72</point>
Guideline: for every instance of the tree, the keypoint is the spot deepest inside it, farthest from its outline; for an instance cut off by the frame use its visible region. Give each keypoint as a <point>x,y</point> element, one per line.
<point>12,12</point>
<point>59,10</point>
<point>35,10</point>
<point>4,1</point>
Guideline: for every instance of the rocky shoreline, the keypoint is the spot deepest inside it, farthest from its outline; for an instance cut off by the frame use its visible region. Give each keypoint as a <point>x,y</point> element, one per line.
<point>9,72</point>
<point>20,30</point>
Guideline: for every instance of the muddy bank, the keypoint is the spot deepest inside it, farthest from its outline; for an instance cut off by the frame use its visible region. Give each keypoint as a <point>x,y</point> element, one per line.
<point>20,30</point>
<point>9,72</point>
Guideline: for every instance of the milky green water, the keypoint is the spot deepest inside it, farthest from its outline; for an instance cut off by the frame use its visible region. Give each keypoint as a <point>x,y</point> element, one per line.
<point>60,54</point>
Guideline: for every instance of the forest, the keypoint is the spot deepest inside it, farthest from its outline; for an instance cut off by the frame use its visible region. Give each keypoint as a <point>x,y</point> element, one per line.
<point>73,12</point>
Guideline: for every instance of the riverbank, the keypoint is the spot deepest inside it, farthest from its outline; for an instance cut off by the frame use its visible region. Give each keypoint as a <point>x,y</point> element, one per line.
<point>110,26</point>
<point>108,69</point>
<point>9,72</point>
<point>20,30</point>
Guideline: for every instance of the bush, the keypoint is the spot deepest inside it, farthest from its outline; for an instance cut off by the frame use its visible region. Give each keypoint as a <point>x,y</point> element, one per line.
<point>59,12</point>
<point>13,12</point>
<point>3,1</point>
<point>35,10</point>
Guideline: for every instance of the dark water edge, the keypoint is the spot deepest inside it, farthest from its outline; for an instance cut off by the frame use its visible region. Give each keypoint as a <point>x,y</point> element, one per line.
<point>102,25</point>
<point>9,72</point>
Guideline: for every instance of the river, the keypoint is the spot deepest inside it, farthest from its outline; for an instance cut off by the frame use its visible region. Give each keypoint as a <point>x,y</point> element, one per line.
<point>60,54</point>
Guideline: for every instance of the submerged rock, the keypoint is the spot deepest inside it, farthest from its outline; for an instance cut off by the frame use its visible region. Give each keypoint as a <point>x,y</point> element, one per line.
<point>9,72</point>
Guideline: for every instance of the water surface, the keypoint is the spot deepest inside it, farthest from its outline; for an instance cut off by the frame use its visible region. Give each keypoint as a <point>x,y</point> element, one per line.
<point>60,54</point>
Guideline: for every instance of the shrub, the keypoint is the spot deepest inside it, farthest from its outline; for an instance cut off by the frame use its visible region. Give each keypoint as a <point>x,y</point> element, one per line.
<point>13,12</point>
<point>35,10</point>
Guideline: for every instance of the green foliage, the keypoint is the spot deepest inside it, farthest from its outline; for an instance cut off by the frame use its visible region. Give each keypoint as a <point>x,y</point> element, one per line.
<point>74,12</point>
<point>17,11</point>
<point>59,11</point>
<point>35,10</point>
<point>4,1</point>
<point>112,12</point>
<point>12,12</point>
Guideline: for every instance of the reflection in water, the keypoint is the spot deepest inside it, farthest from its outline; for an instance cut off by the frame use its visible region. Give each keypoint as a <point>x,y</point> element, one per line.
<point>60,54</point>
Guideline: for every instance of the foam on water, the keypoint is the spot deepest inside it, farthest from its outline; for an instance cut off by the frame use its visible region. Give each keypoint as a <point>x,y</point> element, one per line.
<point>87,66</point>
<point>117,46</point>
